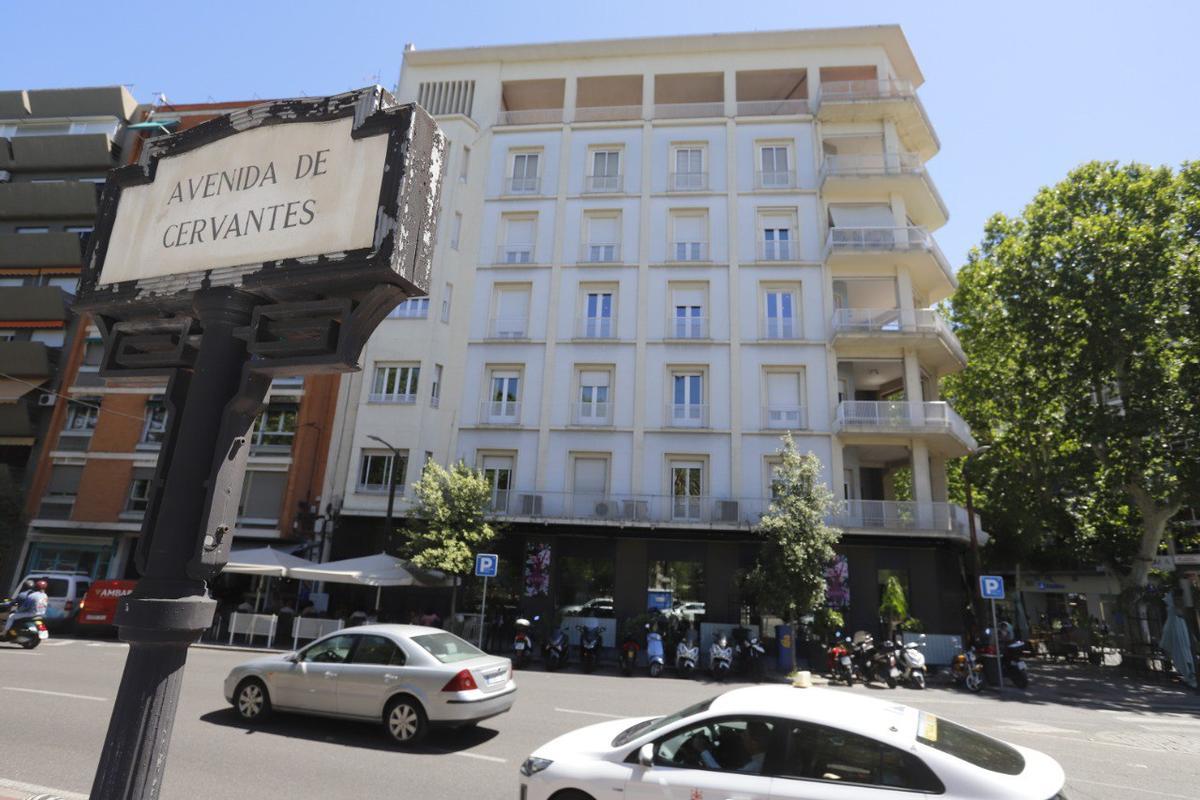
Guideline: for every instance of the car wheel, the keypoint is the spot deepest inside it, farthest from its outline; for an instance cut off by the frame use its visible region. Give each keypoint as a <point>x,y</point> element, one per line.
<point>251,700</point>
<point>405,721</point>
<point>571,794</point>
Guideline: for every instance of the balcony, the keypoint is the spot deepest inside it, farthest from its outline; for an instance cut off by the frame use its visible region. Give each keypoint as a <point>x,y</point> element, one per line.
<point>86,152</point>
<point>772,108</point>
<point>686,328</point>
<point>608,98</point>
<point>776,250</point>
<point>909,517</point>
<point>875,99</point>
<point>784,418</point>
<point>774,180</point>
<point>687,182</point>
<point>773,329</point>
<point>714,108</point>
<point>33,304</point>
<point>909,245</point>
<point>603,508</point>
<point>500,412</point>
<point>865,177</point>
<point>40,250</point>
<point>603,184</point>
<point>66,200</point>
<point>685,415</point>
<point>688,251</point>
<point>514,254</point>
<point>591,414</point>
<point>394,399</point>
<point>869,419</point>
<point>525,185</point>
<point>502,328</point>
<point>608,113</point>
<point>595,328</point>
<point>860,331</point>
<point>600,253</point>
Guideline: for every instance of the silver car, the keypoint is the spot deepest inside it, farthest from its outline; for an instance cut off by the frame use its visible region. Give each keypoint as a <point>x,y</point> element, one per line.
<point>407,677</point>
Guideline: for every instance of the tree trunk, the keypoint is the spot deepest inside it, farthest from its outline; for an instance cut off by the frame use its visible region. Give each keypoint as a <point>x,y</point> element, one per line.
<point>1155,517</point>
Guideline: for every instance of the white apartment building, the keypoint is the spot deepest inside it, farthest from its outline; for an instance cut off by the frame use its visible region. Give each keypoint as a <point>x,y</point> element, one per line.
<point>656,256</point>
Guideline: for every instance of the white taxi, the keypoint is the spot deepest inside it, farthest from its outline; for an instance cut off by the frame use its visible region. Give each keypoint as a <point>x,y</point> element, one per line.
<point>781,742</point>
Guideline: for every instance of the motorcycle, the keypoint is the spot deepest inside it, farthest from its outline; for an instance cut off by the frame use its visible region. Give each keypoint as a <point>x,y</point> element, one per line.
<point>627,654</point>
<point>749,654</point>
<point>841,665</point>
<point>589,646</point>
<point>862,655</point>
<point>1012,660</point>
<point>720,657</point>
<point>522,644</point>
<point>554,652</point>
<point>28,632</point>
<point>654,651</point>
<point>686,656</point>
<point>967,671</point>
<point>886,665</point>
<point>911,662</point>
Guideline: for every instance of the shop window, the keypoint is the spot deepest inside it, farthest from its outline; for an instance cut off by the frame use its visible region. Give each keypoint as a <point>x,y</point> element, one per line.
<point>585,586</point>
<point>677,586</point>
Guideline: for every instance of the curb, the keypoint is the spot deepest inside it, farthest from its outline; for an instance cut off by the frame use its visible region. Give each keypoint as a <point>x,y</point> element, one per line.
<point>237,648</point>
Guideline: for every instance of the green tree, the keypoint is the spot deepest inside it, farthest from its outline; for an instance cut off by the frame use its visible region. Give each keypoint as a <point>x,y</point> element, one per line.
<point>788,578</point>
<point>893,608</point>
<point>1084,368</point>
<point>449,522</point>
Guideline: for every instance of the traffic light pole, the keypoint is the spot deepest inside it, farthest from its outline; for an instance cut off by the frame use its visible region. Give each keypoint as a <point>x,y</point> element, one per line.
<point>169,608</point>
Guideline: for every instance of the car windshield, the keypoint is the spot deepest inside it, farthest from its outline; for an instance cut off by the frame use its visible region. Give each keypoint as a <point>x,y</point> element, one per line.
<point>966,744</point>
<point>446,647</point>
<point>651,725</point>
<point>56,587</point>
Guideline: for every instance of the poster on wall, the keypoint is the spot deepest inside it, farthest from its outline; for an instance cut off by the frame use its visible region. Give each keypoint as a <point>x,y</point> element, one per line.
<point>537,569</point>
<point>837,583</point>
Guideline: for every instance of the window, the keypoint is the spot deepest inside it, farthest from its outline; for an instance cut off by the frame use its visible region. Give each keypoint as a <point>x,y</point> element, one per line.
<point>727,745</point>
<point>412,308</point>
<point>818,753</point>
<point>524,178</point>
<point>686,482</point>
<point>446,647</point>
<point>139,490</point>
<point>262,496</point>
<point>689,175</point>
<point>275,426</point>
<point>687,400</point>
<point>687,312</point>
<point>436,396</point>
<point>447,295</point>
<point>378,651</point>
<point>155,426</point>
<point>593,407</point>
<point>32,229</point>
<point>510,318</point>
<point>774,172</point>
<point>464,165</point>
<point>503,405</point>
<point>606,171</point>
<point>82,415</point>
<point>603,238</point>
<point>518,240</point>
<point>395,384</point>
<point>456,230</point>
<point>689,240</point>
<point>776,242</point>
<point>497,471</point>
<point>597,315</point>
<point>589,487</point>
<point>784,408</point>
<point>375,472</point>
<point>779,309</point>
<point>93,355</point>
<point>966,744</point>
<point>650,725</point>
<point>334,650</point>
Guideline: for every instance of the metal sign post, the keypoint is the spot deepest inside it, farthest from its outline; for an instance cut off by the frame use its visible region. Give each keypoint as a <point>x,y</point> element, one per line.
<point>269,241</point>
<point>486,565</point>
<point>991,587</point>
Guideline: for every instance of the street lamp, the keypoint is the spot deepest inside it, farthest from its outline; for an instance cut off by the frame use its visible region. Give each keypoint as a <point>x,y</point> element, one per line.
<point>966,472</point>
<point>391,479</point>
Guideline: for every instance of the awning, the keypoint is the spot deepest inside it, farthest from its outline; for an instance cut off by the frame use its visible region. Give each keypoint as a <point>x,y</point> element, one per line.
<point>377,570</point>
<point>265,561</point>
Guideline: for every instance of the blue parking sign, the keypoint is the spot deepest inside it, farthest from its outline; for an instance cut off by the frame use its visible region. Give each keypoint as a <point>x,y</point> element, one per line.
<point>486,565</point>
<point>991,587</point>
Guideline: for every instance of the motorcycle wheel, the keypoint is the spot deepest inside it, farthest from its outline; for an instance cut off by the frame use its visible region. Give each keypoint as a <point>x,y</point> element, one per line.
<point>918,680</point>
<point>1019,678</point>
<point>655,670</point>
<point>31,643</point>
<point>849,678</point>
<point>891,682</point>
<point>973,682</point>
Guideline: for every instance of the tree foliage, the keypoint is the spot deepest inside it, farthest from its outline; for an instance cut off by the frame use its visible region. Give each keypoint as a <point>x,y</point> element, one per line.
<point>449,523</point>
<point>789,576</point>
<point>893,608</point>
<point>1084,373</point>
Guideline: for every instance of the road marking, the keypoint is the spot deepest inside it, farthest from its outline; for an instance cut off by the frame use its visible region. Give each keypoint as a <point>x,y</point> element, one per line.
<point>481,757</point>
<point>56,694</point>
<point>1132,789</point>
<point>107,644</point>
<point>34,789</point>
<point>1024,726</point>
<point>58,643</point>
<point>590,713</point>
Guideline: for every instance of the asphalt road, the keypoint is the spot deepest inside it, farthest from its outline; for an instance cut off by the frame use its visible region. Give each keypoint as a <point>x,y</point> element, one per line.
<point>1113,741</point>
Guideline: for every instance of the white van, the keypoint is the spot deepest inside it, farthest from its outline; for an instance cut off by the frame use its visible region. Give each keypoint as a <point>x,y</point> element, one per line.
<point>66,590</point>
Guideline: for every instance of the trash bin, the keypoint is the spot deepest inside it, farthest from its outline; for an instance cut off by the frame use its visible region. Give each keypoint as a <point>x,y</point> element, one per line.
<point>786,644</point>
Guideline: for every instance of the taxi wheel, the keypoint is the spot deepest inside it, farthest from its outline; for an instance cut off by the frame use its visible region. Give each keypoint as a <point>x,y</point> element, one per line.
<point>405,721</point>
<point>251,700</point>
<point>571,794</point>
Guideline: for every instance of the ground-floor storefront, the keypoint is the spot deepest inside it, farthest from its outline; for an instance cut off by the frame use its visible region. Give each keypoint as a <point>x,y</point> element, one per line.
<point>97,554</point>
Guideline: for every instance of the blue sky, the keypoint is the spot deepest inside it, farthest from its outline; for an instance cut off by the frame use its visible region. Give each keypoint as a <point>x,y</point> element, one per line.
<point>1018,91</point>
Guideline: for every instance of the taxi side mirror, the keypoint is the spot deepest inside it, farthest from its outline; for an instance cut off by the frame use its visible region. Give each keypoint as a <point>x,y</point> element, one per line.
<point>646,755</point>
<point>292,658</point>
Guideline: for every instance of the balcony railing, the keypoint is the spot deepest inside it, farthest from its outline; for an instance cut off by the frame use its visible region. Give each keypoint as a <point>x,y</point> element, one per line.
<point>604,184</point>
<point>689,110</point>
<point>885,239</point>
<point>871,164</point>
<point>897,515</point>
<point>904,416</point>
<point>776,250</point>
<point>785,417</point>
<point>772,328</point>
<point>863,90</point>
<point>775,179</point>
<point>396,399</point>
<point>595,328</point>
<point>600,253</point>
<point>688,251</point>
<point>897,320</point>
<point>514,254</point>
<point>770,108</point>
<point>508,328</point>
<point>598,414</point>
<point>531,116</point>
<point>687,181</point>
<point>378,488</point>
<point>499,412</point>
<point>686,415</point>
<point>524,185</point>
<point>607,113</point>
<point>686,328</point>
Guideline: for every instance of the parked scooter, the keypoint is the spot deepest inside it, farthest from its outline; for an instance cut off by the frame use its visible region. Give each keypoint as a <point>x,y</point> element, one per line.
<point>554,652</point>
<point>967,670</point>
<point>628,653</point>
<point>28,632</point>
<point>885,663</point>
<point>686,656</point>
<point>654,651</point>
<point>589,646</point>
<point>1012,660</point>
<point>841,665</point>
<point>720,657</point>
<point>862,655</point>
<point>522,644</point>
<point>911,662</point>
<point>748,654</point>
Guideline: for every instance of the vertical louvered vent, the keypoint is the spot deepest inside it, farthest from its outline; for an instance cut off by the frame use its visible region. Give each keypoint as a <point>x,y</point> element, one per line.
<point>447,97</point>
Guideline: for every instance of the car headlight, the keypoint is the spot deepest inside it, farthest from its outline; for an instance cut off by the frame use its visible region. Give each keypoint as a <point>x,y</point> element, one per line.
<point>532,765</point>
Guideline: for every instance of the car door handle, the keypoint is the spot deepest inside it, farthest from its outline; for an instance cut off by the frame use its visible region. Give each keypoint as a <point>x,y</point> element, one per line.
<point>330,674</point>
<point>391,677</point>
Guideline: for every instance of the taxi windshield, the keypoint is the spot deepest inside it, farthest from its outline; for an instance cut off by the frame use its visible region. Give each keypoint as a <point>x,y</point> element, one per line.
<point>651,725</point>
<point>968,745</point>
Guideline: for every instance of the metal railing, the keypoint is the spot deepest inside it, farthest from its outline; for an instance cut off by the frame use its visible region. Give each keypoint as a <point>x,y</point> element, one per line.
<point>524,185</point>
<point>600,253</point>
<point>531,116</point>
<point>607,113</point>
<point>591,413</point>
<point>775,179</point>
<point>772,328</point>
<point>860,90</point>
<point>508,328</point>
<point>397,399</point>
<point>499,412</point>
<point>871,164</point>
<point>687,181</point>
<point>686,415</point>
<point>688,251</point>
<point>603,184</point>
<point>904,416</point>
<point>714,108</point>
<point>686,328</point>
<point>769,108</point>
<point>514,254</point>
<point>785,417</point>
<point>595,328</point>
<point>776,250</point>
<point>895,515</point>
<point>897,320</point>
<point>885,239</point>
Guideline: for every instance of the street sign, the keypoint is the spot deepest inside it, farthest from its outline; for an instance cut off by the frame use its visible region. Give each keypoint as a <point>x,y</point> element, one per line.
<point>991,587</point>
<point>486,565</point>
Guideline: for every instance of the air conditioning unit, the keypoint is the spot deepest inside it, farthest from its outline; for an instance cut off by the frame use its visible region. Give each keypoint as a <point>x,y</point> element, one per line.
<point>45,399</point>
<point>603,509</point>
<point>531,505</point>
<point>727,511</point>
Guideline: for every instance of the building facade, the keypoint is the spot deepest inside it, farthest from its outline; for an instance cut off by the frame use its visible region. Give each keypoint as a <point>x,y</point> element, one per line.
<point>89,489</point>
<point>655,257</point>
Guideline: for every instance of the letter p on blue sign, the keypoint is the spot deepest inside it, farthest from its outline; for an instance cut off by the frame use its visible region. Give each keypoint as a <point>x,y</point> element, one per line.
<point>486,565</point>
<point>991,587</point>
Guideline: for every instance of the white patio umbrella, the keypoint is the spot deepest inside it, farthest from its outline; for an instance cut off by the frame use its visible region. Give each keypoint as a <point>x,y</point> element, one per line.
<point>378,570</point>
<point>264,561</point>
